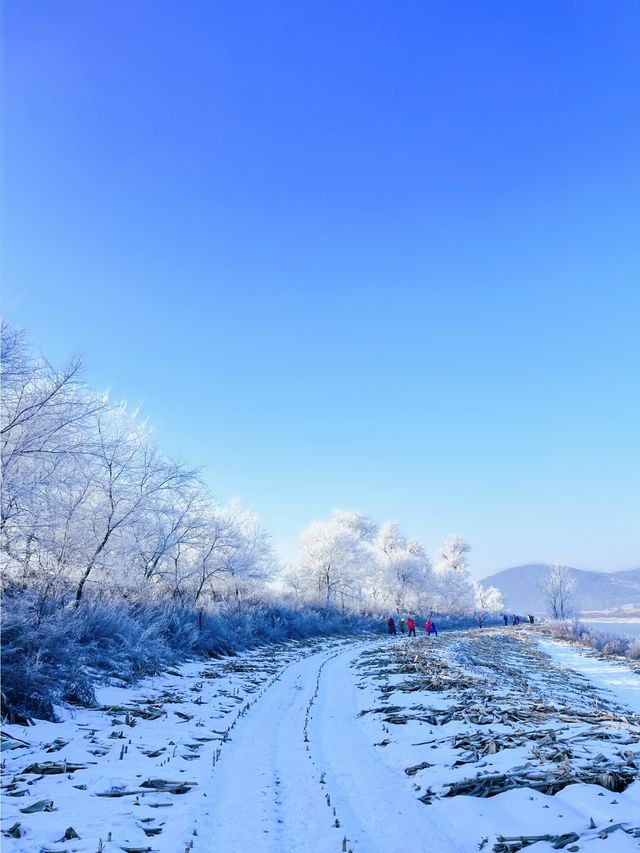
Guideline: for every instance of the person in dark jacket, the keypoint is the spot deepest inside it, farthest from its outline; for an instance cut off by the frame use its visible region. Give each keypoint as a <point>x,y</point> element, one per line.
<point>434,629</point>
<point>506,618</point>
<point>391,625</point>
<point>411,625</point>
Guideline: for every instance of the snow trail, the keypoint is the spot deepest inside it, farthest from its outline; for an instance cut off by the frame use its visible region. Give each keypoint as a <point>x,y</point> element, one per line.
<point>374,800</point>
<point>276,790</point>
<point>267,791</point>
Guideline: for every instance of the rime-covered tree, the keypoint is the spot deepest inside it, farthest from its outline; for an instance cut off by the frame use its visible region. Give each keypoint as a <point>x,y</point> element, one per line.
<point>333,556</point>
<point>405,575</point>
<point>45,417</point>
<point>454,587</point>
<point>558,588</point>
<point>88,498</point>
<point>128,475</point>
<point>487,600</point>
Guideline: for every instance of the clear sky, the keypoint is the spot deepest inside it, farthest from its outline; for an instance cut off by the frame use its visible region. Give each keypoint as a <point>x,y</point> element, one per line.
<point>377,255</point>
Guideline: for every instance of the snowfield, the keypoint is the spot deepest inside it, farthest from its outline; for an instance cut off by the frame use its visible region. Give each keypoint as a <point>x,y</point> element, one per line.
<point>471,740</point>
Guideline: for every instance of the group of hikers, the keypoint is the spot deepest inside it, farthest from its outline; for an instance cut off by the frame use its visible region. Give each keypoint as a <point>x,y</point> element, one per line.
<point>410,626</point>
<point>516,620</point>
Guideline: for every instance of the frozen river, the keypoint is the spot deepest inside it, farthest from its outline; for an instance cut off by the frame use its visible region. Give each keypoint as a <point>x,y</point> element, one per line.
<point>620,627</point>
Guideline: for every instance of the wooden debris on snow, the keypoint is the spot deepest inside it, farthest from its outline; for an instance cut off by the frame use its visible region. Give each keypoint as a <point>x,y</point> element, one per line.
<point>49,768</point>
<point>548,782</point>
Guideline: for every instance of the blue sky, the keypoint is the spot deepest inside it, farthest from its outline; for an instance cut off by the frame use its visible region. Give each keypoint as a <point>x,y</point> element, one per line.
<point>377,256</point>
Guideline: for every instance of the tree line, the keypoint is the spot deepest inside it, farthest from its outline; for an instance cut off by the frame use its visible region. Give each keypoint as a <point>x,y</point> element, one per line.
<point>350,561</point>
<point>89,501</point>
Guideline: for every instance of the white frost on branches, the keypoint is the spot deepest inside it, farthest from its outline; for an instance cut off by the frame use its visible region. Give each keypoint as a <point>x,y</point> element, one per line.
<point>89,502</point>
<point>88,498</point>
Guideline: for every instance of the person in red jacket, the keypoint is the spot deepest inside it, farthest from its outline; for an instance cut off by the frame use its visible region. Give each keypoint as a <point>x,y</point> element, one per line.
<point>427,627</point>
<point>411,625</point>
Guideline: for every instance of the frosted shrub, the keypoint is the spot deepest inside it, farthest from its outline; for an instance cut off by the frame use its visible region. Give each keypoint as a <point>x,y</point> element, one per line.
<point>57,657</point>
<point>606,644</point>
<point>633,651</point>
<point>77,689</point>
<point>614,647</point>
<point>36,656</point>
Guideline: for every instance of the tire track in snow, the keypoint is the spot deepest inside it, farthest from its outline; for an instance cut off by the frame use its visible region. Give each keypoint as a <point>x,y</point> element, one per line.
<point>265,792</point>
<point>377,812</point>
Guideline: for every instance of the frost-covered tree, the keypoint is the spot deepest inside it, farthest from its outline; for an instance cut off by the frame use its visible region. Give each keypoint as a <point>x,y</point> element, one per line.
<point>487,600</point>
<point>44,423</point>
<point>128,475</point>
<point>454,587</point>
<point>454,554</point>
<point>167,525</point>
<point>333,556</point>
<point>360,525</point>
<point>88,498</point>
<point>558,588</point>
<point>404,576</point>
<point>242,557</point>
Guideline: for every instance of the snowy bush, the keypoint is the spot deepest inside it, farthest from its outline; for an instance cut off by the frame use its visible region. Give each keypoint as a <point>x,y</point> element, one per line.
<point>615,647</point>
<point>633,651</point>
<point>57,658</point>
<point>605,643</point>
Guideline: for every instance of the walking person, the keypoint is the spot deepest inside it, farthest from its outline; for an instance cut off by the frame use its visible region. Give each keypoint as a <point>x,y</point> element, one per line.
<point>391,625</point>
<point>427,627</point>
<point>434,629</point>
<point>402,626</point>
<point>506,618</point>
<point>479,621</point>
<point>411,625</point>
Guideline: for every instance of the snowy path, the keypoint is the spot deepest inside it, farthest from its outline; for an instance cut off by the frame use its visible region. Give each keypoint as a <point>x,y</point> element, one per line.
<point>374,800</point>
<point>268,793</point>
<point>301,774</point>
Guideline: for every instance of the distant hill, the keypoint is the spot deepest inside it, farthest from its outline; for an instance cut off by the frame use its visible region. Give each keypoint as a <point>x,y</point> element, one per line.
<point>520,587</point>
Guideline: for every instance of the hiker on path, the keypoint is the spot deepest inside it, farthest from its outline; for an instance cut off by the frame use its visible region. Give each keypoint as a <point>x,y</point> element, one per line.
<point>531,619</point>
<point>434,629</point>
<point>506,618</point>
<point>391,625</point>
<point>427,627</point>
<point>411,625</point>
<point>402,626</point>
<point>479,621</point>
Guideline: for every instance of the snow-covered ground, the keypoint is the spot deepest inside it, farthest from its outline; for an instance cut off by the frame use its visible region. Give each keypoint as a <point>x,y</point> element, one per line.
<point>471,740</point>
<point>608,674</point>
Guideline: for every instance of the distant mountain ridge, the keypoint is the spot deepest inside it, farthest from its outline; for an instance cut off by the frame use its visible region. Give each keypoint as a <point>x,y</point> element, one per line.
<point>596,591</point>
